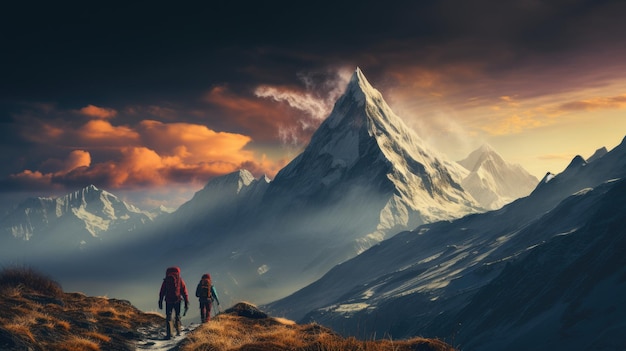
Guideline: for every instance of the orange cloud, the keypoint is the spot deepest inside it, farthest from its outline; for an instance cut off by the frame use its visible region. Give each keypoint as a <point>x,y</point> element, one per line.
<point>292,113</point>
<point>103,131</point>
<point>98,112</point>
<point>193,142</point>
<point>32,177</point>
<point>514,124</point>
<point>152,153</point>
<point>598,103</point>
<point>77,158</point>
<point>259,117</point>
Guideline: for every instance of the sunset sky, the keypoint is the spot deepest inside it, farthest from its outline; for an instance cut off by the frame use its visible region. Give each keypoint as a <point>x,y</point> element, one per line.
<point>151,101</point>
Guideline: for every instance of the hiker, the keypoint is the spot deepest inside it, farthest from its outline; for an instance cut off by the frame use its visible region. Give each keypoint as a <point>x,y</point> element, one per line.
<point>206,294</point>
<point>174,290</point>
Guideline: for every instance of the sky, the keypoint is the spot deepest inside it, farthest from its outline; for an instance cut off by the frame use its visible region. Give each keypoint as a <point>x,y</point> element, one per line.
<point>151,100</point>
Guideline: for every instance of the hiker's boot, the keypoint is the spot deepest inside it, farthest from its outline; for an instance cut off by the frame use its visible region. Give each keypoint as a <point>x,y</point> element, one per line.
<point>168,329</point>
<point>178,325</point>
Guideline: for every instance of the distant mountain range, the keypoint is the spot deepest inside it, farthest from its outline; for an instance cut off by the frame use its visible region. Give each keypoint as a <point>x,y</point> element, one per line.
<point>544,272</point>
<point>494,182</point>
<point>76,220</point>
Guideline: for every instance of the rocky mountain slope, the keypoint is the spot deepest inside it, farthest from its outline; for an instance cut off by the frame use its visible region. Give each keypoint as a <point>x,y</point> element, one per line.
<point>533,274</point>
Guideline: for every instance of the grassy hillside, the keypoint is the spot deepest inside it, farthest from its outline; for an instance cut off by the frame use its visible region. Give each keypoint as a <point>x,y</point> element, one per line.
<point>244,328</point>
<point>36,314</point>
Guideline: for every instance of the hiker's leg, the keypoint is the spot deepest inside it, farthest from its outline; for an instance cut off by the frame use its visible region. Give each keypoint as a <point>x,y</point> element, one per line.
<point>208,310</point>
<point>202,310</point>
<point>177,322</point>
<point>168,319</point>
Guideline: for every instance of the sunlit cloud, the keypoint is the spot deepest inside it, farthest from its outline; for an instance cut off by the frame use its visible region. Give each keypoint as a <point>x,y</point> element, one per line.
<point>147,154</point>
<point>77,158</point>
<point>305,102</point>
<point>256,117</point>
<point>316,99</point>
<point>97,112</point>
<point>194,143</point>
<point>597,103</point>
<point>103,132</point>
<point>32,179</point>
<point>513,116</point>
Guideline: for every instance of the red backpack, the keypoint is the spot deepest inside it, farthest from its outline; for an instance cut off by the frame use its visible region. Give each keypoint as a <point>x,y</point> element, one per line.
<point>204,288</point>
<point>172,284</point>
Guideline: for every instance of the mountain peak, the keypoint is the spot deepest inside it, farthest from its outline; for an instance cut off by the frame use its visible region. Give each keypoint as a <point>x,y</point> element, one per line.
<point>364,142</point>
<point>359,78</point>
<point>486,148</point>
<point>599,153</point>
<point>577,162</point>
<point>242,177</point>
<point>493,181</point>
<point>360,88</point>
<point>477,157</point>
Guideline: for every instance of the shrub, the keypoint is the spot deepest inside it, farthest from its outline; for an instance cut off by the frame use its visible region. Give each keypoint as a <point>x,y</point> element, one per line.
<point>30,280</point>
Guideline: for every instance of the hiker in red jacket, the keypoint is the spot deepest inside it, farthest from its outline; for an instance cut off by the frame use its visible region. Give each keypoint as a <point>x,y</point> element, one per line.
<point>174,291</point>
<point>206,295</point>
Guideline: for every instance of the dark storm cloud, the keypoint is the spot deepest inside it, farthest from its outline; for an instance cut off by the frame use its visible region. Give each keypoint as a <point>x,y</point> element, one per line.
<point>256,70</point>
<point>169,51</point>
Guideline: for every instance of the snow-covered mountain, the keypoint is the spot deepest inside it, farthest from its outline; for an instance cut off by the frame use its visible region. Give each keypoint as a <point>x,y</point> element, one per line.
<point>73,220</point>
<point>224,203</point>
<point>494,182</point>
<point>363,177</point>
<point>534,274</point>
<point>364,157</point>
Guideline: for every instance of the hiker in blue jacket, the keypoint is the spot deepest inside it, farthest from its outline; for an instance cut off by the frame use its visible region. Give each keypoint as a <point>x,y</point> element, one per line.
<point>206,295</point>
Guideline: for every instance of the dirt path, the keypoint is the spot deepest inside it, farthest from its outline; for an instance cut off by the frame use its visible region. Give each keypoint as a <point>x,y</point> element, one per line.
<point>154,338</point>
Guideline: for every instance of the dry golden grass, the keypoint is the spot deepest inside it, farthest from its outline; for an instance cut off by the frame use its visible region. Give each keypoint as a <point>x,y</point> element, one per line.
<point>76,343</point>
<point>22,331</point>
<point>235,333</point>
<point>19,278</point>
<point>97,336</point>
<point>36,314</point>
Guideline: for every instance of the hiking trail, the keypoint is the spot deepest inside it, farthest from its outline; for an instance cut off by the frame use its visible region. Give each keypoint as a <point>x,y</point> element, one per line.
<point>154,338</point>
